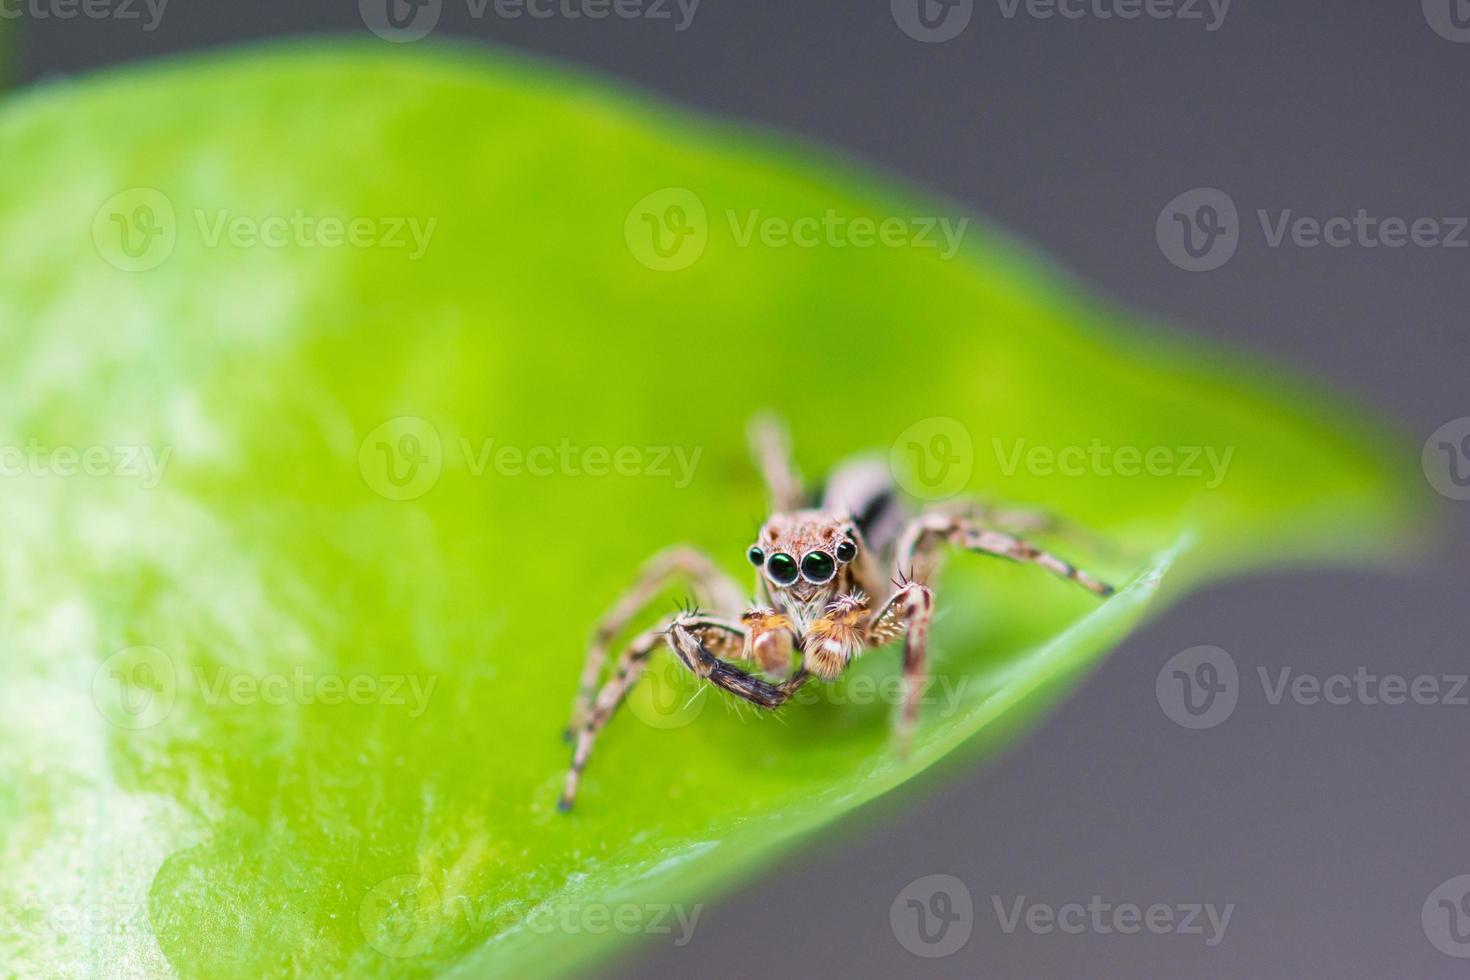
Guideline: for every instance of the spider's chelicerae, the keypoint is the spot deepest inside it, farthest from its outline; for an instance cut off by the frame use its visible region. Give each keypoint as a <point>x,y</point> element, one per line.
<point>822,560</point>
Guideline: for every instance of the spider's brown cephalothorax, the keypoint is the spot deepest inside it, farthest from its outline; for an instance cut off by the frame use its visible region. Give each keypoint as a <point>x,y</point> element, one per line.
<point>820,563</point>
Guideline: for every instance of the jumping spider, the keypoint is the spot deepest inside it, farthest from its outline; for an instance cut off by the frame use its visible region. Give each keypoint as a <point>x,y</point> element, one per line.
<point>821,560</point>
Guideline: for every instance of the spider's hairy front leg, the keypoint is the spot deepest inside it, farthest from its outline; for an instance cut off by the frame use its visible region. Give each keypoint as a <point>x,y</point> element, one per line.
<point>908,613</point>
<point>711,586</point>
<point>771,445</point>
<point>628,669</point>
<point>918,549</point>
<point>691,639</point>
<point>701,643</point>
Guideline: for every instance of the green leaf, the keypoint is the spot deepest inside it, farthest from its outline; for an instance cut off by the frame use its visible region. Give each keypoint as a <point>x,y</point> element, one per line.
<point>181,793</point>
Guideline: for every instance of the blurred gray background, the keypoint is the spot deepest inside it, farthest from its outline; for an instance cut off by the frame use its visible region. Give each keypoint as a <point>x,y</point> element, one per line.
<point>1327,827</point>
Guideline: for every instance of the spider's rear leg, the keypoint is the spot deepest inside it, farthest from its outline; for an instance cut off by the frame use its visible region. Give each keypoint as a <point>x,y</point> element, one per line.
<point>770,444</point>
<point>698,641</point>
<point>711,586</point>
<point>918,551</point>
<point>1015,519</point>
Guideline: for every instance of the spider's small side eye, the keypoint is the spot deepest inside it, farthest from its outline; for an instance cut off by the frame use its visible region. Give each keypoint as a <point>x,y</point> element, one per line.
<point>756,555</point>
<point>817,567</point>
<point>846,552</point>
<point>781,568</point>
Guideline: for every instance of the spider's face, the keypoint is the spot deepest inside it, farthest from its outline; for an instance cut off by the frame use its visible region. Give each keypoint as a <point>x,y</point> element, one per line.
<point>804,555</point>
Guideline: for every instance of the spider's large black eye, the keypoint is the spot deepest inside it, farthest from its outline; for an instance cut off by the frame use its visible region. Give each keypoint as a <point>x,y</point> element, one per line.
<point>756,555</point>
<point>846,552</point>
<point>818,567</point>
<point>782,568</point>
